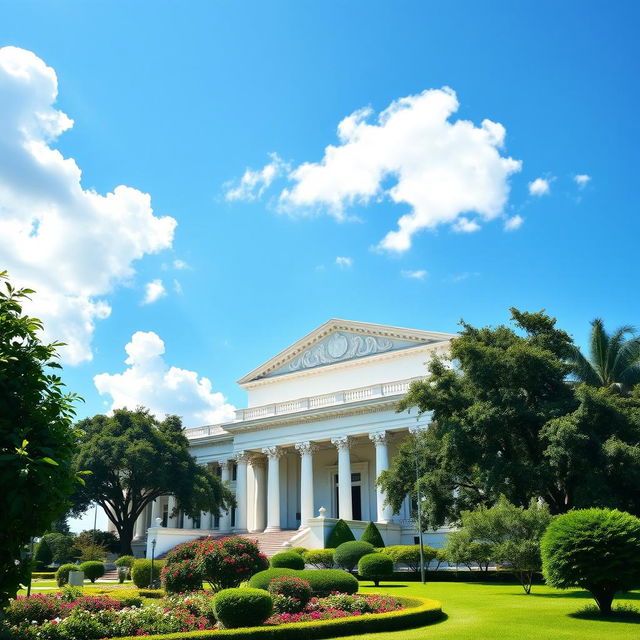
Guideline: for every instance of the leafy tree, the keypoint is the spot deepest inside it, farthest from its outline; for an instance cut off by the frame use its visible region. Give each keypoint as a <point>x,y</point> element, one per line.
<point>490,403</point>
<point>372,535</point>
<point>63,548</point>
<point>106,539</point>
<point>461,548</point>
<point>134,459</point>
<point>36,436</point>
<point>613,361</point>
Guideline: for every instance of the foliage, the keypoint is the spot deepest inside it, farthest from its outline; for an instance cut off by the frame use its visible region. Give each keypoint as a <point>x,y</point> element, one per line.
<point>375,566</point>
<point>197,603</point>
<point>36,436</point>
<point>63,548</point>
<point>125,561</point>
<point>62,573</point>
<point>43,555</point>
<point>106,539</point>
<point>92,570</point>
<point>134,459</point>
<point>242,607</point>
<point>348,553</point>
<point>614,360</point>
<point>287,560</point>
<point>371,534</point>
<point>182,576</point>
<point>462,549</point>
<point>289,594</point>
<point>339,534</point>
<point>409,555</point>
<point>299,550</point>
<point>319,558</point>
<point>141,572</point>
<point>35,609</point>
<point>89,551</point>
<point>596,549</point>
<point>322,581</point>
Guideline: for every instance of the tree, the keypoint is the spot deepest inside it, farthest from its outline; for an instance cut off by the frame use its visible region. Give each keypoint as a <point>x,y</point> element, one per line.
<point>105,539</point>
<point>613,360</point>
<point>461,548</point>
<point>489,402</point>
<point>36,436</point>
<point>134,459</point>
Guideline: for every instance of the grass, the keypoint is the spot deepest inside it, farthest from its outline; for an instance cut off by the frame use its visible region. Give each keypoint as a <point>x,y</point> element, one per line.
<point>503,612</point>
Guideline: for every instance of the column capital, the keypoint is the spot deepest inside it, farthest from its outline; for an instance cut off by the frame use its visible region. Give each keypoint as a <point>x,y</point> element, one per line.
<point>223,464</point>
<point>273,452</point>
<point>242,456</point>
<point>306,448</point>
<point>341,442</point>
<point>379,437</point>
<point>257,461</point>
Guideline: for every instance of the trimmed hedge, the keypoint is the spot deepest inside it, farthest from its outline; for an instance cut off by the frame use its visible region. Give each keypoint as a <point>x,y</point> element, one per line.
<point>372,535</point>
<point>348,554</point>
<point>300,550</point>
<point>419,612</point>
<point>242,607</point>
<point>322,581</point>
<point>287,560</point>
<point>339,534</point>
<point>44,575</point>
<point>62,574</point>
<point>319,558</point>
<point>375,566</point>
<point>92,569</point>
<point>141,572</point>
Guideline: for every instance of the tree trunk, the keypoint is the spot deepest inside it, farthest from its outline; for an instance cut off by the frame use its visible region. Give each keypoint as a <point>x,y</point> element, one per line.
<point>604,598</point>
<point>126,536</point>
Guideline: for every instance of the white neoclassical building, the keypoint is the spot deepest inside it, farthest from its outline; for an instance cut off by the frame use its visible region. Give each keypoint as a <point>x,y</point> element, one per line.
<point>319,427</point>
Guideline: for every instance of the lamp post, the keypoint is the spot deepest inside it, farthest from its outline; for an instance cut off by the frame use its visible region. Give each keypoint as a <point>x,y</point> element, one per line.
<point>419,501</point>
<point>153,557</point>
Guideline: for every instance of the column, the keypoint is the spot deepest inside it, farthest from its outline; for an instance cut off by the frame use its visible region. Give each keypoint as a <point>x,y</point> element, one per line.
<point>139,529</point>
<point>187,521</point>
<point>345,510</point>
<point>242,457</point>
<point>259,494</point>
<point>225,516</point>
<point>306,451</point>
<point>156,511</point>
<point>273,488</point>
<point>381,440</point>
<point>172,518</point>
<point>205,520</point>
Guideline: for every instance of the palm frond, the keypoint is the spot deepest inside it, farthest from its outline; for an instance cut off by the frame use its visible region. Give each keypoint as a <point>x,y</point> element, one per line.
<point>582,369</point>
<point>598,350</point>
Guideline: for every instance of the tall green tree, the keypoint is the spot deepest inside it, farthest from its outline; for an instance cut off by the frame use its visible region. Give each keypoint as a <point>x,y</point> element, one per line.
<point>36,435</point>
<point>134,459</point>
<point>613,360</point>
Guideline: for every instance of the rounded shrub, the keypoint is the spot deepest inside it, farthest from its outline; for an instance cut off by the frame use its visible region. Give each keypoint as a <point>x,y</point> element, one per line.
<point>92,569</point>
<point>319,558</point>
<point>62,573</point>
<point>242,607</point>
<point>181,577</point>
<point>596,549</point>
<point>125,561</point>
<point>372,535</point>
<point>348,554</point>
<point>292,587</point>
<point>141,572</point>
<point>339,534</point>
<point>299,550</point>
<point>322,581</point>
<point>375,566</point>
<point>287,560</point>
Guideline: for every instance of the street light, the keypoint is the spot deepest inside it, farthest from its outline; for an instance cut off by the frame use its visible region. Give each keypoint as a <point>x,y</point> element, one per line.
<point>419,501</point>
<point>153,557</point>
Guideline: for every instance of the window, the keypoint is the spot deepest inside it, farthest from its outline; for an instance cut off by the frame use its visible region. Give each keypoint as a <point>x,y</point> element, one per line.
<point>234,471</point>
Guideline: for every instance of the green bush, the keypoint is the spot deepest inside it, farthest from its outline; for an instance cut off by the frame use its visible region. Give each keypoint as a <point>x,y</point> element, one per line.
<point>125,561</point>
<point>242,607</point>
<point>372,536</point>
<point>287,560</point>
<point>595,549</point>
<point>409,555</point>
<point>322,581</point>
<point>290,594</point>
<point>141,572</point>
<point>43,555</point>
<point>181,577</point>
<point>348,554</point>
<point>92,569</point>
<point>299,550</point>
<point>319,558</point>
<point>62,574</point>
<point>339,534</point>
<point>375,566</point>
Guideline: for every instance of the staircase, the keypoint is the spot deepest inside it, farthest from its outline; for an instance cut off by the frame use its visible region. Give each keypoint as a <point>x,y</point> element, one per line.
<point>271,542</point>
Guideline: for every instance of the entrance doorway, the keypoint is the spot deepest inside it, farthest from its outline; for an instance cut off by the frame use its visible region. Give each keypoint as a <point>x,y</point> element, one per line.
<point>356,495</point>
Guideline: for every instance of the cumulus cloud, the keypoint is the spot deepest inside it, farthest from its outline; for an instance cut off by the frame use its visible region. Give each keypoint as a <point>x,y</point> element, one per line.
<point>414,155</point>
<point>344,262</point>
<point>539,187</point>
<point>73,245</point>
<point>255,182</point>
<point>582,179</point>
<point>149,381</point>
<point>513,223</point>
<point>418,274</point>
<point>153,291</point>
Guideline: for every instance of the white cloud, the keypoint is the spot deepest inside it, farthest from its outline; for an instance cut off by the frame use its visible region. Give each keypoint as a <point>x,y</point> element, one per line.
<point>539,187</point>
<point>513,223</point>
<point>149,381</point>
<point>255,182</point>
<point>177,287</point>
<point>153,291</point>
<point>418,274</point>
<point>464,225</point>
<point>344,262</point>
<point>73,245</point>
<point>582,179</point>
<point>461,277</point>
<point>440,169</point>
<point>180,265</point>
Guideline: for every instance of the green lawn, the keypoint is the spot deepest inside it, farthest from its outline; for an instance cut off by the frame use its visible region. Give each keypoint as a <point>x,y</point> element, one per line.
<point>504,612</point>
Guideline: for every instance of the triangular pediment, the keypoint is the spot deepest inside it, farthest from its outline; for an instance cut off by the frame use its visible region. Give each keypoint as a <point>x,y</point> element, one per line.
<point>339,341</point>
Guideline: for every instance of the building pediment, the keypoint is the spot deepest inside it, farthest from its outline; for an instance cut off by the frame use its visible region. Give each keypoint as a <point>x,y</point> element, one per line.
<point>340,341</point>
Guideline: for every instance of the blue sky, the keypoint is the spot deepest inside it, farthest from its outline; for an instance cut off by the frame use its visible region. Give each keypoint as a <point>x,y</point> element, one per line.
<point>178,100</point>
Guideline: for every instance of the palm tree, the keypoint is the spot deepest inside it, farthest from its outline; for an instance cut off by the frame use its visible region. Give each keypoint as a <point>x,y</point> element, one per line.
<point>614,360</point>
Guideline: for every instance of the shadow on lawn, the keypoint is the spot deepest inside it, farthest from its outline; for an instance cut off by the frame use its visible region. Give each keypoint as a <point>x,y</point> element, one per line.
<point>620,613</point>
<point>382,585</point>
<point>631,595</point>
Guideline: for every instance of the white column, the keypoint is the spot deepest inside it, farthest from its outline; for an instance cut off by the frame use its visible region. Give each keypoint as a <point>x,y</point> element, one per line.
<point>345,510</point>
<point>225,516</point>
<point>259,493</point>
<point>139,529</point>
<point>205,519</point>
<point>172,519</point>
<point>381,440</point>
<point>242,458</point>
<point>273,488</point>
<point>187,522</point>
<point>306,451</point>
<point>156,511</point>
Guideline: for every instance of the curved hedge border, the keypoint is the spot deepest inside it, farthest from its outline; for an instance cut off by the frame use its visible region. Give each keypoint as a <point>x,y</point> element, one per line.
<point>419,612</point>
